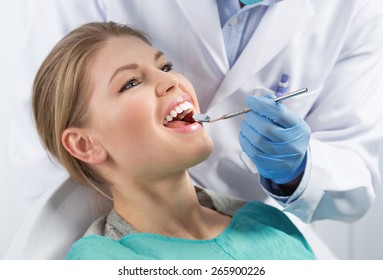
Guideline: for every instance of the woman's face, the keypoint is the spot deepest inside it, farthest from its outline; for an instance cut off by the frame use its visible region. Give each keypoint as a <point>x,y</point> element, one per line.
<point>140,111</point>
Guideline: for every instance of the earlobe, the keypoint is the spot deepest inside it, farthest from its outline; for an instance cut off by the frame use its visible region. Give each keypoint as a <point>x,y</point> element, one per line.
<point>80,145</point>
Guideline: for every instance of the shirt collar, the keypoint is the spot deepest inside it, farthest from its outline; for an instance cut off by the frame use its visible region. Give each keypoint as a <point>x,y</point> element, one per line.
<point>228,8</point>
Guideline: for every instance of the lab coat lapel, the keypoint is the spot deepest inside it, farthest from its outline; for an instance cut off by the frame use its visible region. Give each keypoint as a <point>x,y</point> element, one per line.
<point>276,29</point>
<point>203,16</point>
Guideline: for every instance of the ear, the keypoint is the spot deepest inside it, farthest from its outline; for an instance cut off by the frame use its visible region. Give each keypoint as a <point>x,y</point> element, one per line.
<point>81,145</point>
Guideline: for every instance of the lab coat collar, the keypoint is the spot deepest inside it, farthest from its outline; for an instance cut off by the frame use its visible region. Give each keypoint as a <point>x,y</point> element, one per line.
<point>278,26</point>
<point>200,13</point>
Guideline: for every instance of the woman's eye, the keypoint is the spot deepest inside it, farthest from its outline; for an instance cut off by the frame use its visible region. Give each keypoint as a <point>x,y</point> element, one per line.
<point>167,67</point>
<point>130,84</point>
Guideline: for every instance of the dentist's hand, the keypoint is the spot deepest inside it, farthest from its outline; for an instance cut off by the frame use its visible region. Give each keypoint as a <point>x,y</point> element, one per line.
<point>275,139</point>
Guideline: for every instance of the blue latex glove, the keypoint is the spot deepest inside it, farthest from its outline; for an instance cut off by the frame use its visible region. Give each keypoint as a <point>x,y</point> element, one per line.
<point>275,139</point>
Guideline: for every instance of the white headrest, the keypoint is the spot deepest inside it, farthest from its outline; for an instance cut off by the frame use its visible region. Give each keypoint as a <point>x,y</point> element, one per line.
<point>61,217</point>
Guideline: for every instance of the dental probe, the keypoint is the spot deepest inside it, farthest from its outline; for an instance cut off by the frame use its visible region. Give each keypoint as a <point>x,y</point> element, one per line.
<point>206,118</point>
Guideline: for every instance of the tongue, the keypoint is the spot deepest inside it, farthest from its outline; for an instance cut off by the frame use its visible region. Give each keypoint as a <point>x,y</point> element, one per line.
<point>177,124</point>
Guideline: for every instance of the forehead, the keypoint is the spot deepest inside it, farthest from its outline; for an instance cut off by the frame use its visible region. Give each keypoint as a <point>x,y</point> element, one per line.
<point>125,46</point>
<point>118,51</point>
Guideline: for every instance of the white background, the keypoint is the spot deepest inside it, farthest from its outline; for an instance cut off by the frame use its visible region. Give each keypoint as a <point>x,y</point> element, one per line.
<point>11,210</point>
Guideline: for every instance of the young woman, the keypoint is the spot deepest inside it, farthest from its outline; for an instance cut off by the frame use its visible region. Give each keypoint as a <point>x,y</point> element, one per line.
<point>112,110</point>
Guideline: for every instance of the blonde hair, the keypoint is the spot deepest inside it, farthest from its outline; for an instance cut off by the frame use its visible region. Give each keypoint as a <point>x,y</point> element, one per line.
<point>61,92</point>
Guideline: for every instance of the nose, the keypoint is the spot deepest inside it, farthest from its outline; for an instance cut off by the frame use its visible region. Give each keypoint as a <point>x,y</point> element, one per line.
<point>167,82</point>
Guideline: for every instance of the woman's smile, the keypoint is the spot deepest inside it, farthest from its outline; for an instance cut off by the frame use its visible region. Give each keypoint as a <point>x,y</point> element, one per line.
<point>179,115</point>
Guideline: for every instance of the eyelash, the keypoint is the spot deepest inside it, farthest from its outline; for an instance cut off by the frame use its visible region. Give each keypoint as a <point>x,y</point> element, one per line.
<point>168,66</point>
<point>135,81</point>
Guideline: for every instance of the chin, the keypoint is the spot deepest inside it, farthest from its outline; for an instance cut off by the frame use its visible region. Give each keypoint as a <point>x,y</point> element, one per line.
<point>194,150</point>
<point>204,150</point>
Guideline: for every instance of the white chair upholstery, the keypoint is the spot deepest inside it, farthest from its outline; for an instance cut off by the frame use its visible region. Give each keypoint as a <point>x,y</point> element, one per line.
<point>59,218</point>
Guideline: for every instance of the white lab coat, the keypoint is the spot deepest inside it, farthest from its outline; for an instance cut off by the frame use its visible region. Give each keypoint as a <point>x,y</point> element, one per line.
<point>334,48</point>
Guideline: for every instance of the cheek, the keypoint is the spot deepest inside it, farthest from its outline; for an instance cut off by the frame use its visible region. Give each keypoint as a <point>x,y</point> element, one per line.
<point>124,126</point>
<point>131,118</point>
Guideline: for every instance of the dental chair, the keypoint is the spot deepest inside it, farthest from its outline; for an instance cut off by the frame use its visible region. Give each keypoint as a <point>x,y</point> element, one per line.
<point>60,217</point>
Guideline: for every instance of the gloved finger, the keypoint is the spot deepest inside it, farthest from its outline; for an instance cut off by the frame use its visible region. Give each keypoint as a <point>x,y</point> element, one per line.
<point>272,130</point>
<point>271,148</point>
<point>269,95</point>
<point>257,140</point>
<point>275,111</point>
<point>279,169</point>
<point>274,167</point>
<point>250,150</point>
<point>269,167</point>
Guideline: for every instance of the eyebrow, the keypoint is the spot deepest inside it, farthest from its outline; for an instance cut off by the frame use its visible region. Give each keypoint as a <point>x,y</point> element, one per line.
<point>158,55</point>
<point>132,66</point>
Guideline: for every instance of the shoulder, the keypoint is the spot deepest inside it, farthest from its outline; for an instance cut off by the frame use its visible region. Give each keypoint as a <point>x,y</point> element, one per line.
<point>269,216</point>
<point>221,202</point>
<point>263,212</point>
<point>95,247</point>
<point>112,226</point>
<point>97,227</point>
<point>90,247</point>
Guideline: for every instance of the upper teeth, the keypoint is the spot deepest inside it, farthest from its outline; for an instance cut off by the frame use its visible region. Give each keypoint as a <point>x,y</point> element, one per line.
<point>179,112</point>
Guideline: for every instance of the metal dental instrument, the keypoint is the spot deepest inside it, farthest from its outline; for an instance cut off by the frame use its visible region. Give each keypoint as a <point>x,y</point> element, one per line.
<point>206,118</point>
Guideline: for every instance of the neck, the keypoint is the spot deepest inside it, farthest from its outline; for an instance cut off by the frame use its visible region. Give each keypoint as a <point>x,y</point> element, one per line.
<point>168,207</point>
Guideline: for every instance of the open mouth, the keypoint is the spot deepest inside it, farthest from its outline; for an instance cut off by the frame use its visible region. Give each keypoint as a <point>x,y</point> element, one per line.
<point>180,116</point>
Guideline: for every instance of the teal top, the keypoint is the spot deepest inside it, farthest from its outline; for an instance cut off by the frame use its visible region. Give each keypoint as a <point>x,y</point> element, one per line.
<point>256,231</point>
